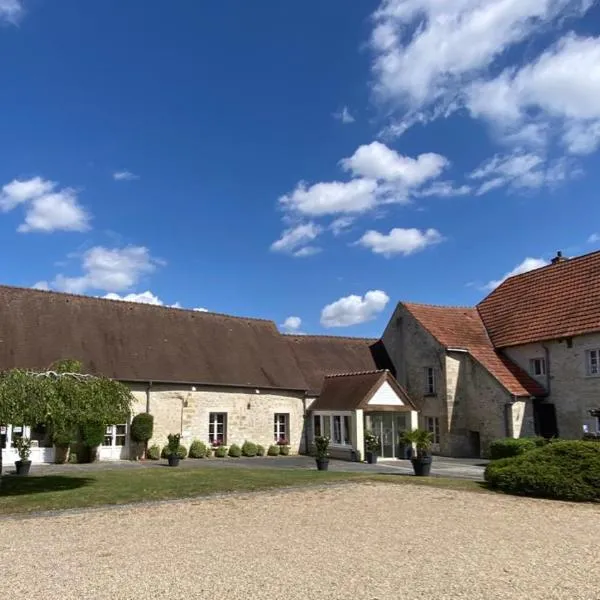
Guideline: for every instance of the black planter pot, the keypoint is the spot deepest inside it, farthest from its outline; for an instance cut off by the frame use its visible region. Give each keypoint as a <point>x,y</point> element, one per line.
<point>23,467</point>
<point>173,461</point>
<point>421,465</point>
<point>371,457</point>
<point>322,464</point>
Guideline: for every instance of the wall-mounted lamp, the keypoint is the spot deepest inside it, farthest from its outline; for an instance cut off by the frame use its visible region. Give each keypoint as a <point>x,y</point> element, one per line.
<point>249,406</point>
<point>193,388</point>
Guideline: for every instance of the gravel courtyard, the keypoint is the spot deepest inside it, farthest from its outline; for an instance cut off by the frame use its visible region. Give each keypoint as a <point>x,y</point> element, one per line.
<point>360,541</point>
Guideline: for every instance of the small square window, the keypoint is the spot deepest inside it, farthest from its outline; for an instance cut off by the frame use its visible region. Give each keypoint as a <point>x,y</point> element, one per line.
<point>537,366</point>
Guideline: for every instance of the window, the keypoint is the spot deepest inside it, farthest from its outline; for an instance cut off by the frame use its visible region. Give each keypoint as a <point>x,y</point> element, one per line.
<point>327,426</point>
<point>432,425</point>
<point>347,431</point>
<point>337,429</point>
<point>115,435</point>
<point>317,425</point>
<point>281,431</point>
<point>217,432</point>
<point>429,381</point>
<point>593,362</point>
<point>537,366</point>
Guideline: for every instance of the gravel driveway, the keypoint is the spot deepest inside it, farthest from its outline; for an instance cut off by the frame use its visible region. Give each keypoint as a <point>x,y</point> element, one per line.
<point>360,541</point>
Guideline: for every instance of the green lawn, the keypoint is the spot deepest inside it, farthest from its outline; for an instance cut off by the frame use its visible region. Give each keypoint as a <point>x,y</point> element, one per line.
<point>121,486</point>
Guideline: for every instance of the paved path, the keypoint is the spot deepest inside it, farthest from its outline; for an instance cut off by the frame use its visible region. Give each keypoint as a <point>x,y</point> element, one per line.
<point>442,466</point>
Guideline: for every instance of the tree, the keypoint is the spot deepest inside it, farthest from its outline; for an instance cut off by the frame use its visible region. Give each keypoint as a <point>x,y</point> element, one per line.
<point>142,428</point>
<point>61,398</point>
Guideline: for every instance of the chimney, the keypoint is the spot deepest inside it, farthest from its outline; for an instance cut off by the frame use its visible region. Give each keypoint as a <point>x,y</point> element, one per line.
<point>558,258</point>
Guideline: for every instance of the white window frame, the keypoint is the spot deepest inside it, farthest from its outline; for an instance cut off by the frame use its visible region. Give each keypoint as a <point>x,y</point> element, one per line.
<point>432,424</point>
<point>592,356</point>
<point>430,382</point>
<point>281,427</point>
<point>111,431</point>
<point>537,366</point>
<point>327,417</point>
<point>213,427</point>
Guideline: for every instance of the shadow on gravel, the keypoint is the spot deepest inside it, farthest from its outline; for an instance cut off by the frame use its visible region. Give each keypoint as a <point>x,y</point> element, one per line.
<point>14,485</point>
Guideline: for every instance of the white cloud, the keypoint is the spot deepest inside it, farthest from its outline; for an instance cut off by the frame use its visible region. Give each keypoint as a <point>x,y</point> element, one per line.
<point>329,198</point>
<point>341,225</point>
<point>443,189</point>
<point>109,269</point>
<point>295,240</point>
<point>352,310</point>
<point>594,238</point>
<point>426,50</point>
<point>41,285</point>
<point>529,264</point>
<point>125,176</point>
<point>307,251</point>
<point>559,87</point>
<point>377,161</point>
<point>400,241</point>
<point>146,297</point>
<point>291,324</point>
<point>11,11</point>
<point>200,309</point>
<point>344,115</point>
<point>46,208</point>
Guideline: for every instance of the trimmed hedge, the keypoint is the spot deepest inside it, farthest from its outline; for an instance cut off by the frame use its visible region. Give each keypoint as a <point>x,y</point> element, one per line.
<point>249,449</point>
<point>154,452</point>
<point>273,450</point>
<point>197,449</point>
<point>221,451</point>
<point>284,450</point>
<point>260,450</point>
<point>142,426</point>
<point>562,470</point>
<point>235,451</point>
<point>508,447</point>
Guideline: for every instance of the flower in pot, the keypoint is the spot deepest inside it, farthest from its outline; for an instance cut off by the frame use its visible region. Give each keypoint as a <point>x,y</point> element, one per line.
<point>173,455</point>
<point>23,446</point>
<point>372,447</point>
<point>322,452</point>
<point>421,440</point>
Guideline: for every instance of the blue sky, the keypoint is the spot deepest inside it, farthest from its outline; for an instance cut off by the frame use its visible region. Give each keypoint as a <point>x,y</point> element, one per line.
<point>315,160</point>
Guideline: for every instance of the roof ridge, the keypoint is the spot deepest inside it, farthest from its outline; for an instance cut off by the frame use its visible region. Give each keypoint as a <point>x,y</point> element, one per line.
<point>133,303</point>
<point>446,306</point>
<point>331,337</point>
<point>352,373</point>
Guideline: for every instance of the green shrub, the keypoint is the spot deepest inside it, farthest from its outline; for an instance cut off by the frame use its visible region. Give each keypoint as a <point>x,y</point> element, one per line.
<point>249,449</point>
<point>284,450</point>
<point>181,452</point>
<point>154,452</point>
<point>92,434</point>
<point>197,449</point>
<point>221,451</point>
<point>273,450</point>
<point>164,453</point>
<point>72,457</point>
<point>208,452</point>
<point>505,448</point>
<point>142,427</point>
<point>563,470</point>
<point>260,450</point>
<point>235,451</point>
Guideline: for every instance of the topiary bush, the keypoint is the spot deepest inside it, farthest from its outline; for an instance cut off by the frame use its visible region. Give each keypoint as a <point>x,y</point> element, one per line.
<point>508,447</point>
<point>249,449</point>
<point>154,452</point>
<point>563,470</point>
<point>197,449</point>
<point>142,427</point>
<point>273,450</point>
<point>235,451</point>
<point>260,450</point>
<point>221,451</point>
<point>284,450</point>
<point>181,452</point>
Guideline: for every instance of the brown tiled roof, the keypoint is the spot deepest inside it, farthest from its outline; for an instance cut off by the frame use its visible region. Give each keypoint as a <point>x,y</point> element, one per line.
<point>350,391</point>
<point>131,341</point>
<point>557,301</point>
<point>320,355</point>
<point>462,329</point>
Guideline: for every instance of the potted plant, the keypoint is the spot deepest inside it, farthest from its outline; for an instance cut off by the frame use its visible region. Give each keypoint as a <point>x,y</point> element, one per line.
<point>173,449</point>
<point>421,461</point>
<point>23,446</point>
<point>372,447</point>
<point>322,452</point>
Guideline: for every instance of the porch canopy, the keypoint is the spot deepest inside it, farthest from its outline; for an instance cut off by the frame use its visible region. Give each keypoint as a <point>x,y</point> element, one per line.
<point>352,402</point>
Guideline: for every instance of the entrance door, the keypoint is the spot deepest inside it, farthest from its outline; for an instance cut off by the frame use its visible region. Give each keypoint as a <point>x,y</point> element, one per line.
<point>114,446</point>
<point>388,427</point>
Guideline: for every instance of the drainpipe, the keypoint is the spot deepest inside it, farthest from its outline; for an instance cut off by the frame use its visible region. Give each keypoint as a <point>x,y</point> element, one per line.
<point>148,389</point>
<point>547,358</point>
<point>306,423</point>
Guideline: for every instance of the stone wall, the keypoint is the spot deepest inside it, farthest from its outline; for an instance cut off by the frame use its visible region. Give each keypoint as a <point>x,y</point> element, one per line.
<point>571,390</point>
<point>250,415</point>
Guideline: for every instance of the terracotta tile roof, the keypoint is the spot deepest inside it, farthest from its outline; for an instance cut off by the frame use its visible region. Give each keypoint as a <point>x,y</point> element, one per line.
<point>320,355</point>
<point>350,391</point>
<point>132,342</point>
<point>462,328</point>
<point>557,301</point>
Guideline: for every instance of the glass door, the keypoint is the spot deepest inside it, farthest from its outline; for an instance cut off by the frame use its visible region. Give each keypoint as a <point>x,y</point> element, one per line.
<point>389,427</point>
<point>387,435</point>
